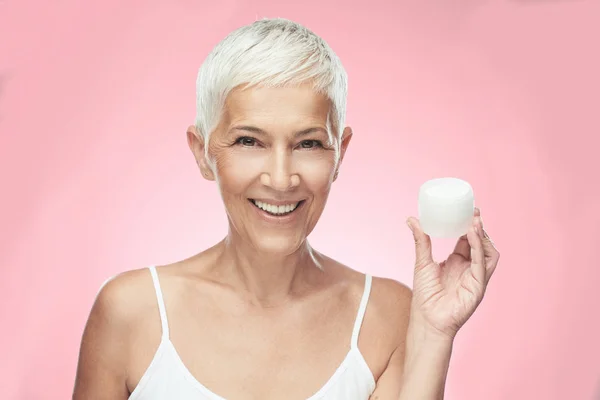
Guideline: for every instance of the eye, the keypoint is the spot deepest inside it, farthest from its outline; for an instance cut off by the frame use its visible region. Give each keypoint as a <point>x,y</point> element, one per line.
<point>246,141</point>
<point>309,144</point>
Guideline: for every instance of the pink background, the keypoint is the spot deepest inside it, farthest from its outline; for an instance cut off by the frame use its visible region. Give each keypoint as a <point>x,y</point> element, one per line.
<point>97,177</point>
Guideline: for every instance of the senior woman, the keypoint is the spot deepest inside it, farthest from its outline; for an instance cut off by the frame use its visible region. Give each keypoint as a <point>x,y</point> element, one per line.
<point>262,314</point>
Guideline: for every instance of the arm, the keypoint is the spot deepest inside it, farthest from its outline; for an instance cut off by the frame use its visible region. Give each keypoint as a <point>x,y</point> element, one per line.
<point>444,297</point>
<point>396,299</point>
<point>101,367</point>
<point>426,364</point>
<point>418,367</point>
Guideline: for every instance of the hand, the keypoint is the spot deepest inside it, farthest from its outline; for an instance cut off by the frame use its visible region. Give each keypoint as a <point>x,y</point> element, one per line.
<point>446,294</point>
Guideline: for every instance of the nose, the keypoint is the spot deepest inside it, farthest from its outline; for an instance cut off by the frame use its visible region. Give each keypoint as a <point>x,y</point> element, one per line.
<point>279,172</point>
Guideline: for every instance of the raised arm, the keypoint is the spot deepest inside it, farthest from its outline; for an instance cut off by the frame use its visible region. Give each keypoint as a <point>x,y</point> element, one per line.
<point>426,363</point>
<point>444,297</point>
<point>418,367</point>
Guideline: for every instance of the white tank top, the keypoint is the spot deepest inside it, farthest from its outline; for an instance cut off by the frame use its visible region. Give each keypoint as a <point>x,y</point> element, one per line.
<point>168,378</point>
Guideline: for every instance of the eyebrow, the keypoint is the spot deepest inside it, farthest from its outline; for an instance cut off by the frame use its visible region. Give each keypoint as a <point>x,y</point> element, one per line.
<point>258,131</point>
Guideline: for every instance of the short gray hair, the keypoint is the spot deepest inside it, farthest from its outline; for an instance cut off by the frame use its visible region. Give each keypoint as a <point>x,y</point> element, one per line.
<point>269,52</point>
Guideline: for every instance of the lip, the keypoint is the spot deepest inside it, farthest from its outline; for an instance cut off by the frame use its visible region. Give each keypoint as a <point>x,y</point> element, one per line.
<point>276,202</point>
<point>286,219</point>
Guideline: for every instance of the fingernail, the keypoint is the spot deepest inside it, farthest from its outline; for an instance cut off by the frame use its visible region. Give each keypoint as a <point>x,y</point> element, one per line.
<point>409,225</point>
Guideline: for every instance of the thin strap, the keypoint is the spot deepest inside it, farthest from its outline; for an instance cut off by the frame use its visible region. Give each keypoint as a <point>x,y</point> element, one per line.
<point>361,311</point>
<point>161,303</point>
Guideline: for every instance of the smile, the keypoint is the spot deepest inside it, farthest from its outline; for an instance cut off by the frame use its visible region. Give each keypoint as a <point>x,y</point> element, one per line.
<point>276,210</point>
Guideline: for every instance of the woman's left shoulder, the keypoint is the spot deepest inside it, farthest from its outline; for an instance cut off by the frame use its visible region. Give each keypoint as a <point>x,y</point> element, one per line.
<point>390,294</point>
<point>386,319</point>
<point>389,299</point>
<point>389,303</point>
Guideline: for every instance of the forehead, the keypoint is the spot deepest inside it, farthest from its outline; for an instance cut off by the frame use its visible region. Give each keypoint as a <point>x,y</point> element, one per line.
<point>281,105</point>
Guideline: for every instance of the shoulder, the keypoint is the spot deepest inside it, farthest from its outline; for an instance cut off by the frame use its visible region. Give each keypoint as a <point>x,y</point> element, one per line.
<point>114,318</point>
<point>386,319</point>
<point>390,313</point>
<point>388,308</point>
<point>389,295</point>
<point>389,304</point>
<point>389,299</point>
<point>123,296</point>
<point>122,303</point>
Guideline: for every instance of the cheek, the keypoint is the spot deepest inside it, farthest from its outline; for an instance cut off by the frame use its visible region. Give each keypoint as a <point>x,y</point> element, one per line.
<point>236,169</point>
<point>316,171</point>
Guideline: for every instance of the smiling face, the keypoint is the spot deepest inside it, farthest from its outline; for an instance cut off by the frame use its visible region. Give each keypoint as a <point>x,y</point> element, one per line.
<point>274,164</point>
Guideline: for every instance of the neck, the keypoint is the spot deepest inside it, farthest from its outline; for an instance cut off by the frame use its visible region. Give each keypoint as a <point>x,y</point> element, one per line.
<point>267,279</point>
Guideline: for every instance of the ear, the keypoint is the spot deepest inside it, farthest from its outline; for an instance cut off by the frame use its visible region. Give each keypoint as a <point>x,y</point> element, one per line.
<point>196,144</point>
<point>346,137</point>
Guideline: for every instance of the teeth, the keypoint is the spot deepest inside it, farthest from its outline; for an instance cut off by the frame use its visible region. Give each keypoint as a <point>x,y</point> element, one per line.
<point>275,209</point>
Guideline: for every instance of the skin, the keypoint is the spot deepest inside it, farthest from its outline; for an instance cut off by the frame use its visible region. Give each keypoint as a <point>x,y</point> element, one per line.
<point>446,295</point>
<point>295,306</point>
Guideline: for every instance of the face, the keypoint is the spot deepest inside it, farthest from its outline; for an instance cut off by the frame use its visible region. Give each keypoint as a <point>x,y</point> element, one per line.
<point>275,164</point>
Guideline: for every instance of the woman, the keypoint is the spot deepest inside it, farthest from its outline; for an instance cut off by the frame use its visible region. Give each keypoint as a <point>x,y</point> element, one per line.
<point>261,314</point>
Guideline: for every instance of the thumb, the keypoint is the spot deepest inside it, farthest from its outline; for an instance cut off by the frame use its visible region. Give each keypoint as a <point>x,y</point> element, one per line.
<point>422,243</point>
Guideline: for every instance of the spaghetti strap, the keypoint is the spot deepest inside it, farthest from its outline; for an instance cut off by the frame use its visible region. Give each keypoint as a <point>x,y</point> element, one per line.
<point>361,311</point>
<point>168,376</point>
<point>161,303</point>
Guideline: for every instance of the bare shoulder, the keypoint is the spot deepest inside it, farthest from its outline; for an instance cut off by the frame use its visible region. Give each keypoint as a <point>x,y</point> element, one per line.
<point>123,304</point>
<point>390,296</point>
<point>383,333</point>
<point>390,313</point>
<point>389,299</point>
<point>390,307</point>
<point>123,296</point>
<point>120,303</point>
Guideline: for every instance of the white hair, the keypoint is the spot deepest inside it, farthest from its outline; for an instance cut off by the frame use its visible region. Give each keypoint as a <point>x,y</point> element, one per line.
<point>270,52</point>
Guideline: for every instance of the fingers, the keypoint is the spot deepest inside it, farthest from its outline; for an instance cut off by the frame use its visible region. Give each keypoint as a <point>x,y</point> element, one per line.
<point>477,254</point>
<point>422,243</point>
<point>475,246</point>
<point>491,254</point>
<point>463,247</point>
